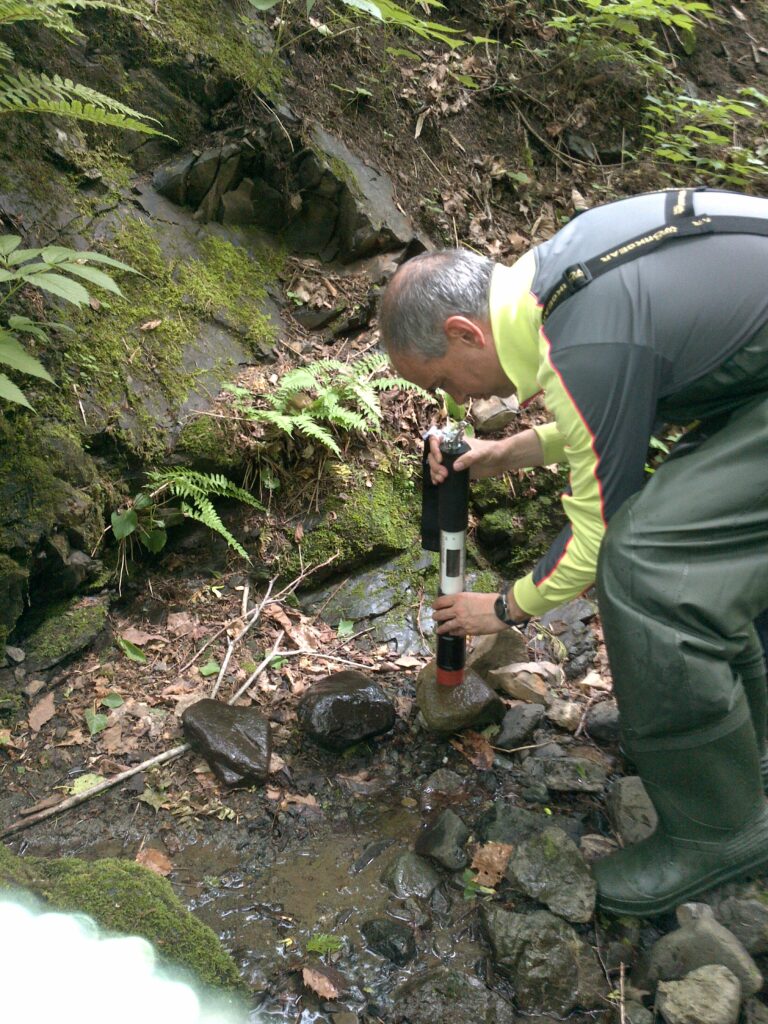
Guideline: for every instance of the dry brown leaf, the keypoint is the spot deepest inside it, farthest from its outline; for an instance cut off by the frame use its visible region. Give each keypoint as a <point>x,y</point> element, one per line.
<point>41,713</point>
<point>272,793</point>
<point>180,623</point>
<point>276,613</point>
<point>298,535</point>
<point>150,325</point>
<point>302,801</point>
<point>490,863</point>
<point>318,982</point>
<point>408,661</point>
<point>476,748</point>
<point>276,763</point>
<point>112,738</point>
<point>155,860</point>
<point>139,636</point>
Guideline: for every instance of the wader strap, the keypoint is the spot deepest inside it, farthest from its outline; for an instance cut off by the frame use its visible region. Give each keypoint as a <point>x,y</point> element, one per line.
<point>681,223</point>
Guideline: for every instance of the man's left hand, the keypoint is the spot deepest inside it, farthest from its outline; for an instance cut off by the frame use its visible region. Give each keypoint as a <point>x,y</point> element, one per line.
<point>466,614</point>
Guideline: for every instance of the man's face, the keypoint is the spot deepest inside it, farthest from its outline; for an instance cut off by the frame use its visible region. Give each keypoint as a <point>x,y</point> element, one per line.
<point>467,370</point>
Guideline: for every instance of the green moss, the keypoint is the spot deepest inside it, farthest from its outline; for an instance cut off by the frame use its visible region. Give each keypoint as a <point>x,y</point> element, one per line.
<point>213,31</point>
<point>204,445</point>
<point>361,525</point>
<point>131,373</point>
<point>124,897</point>
<point>67,628</point>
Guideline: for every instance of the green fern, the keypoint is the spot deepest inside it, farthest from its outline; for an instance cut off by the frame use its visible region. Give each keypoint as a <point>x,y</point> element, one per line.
<point>29,92</point>
<point>150,514</point>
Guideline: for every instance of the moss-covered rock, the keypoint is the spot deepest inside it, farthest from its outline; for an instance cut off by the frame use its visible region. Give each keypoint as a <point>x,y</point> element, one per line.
<point>124,897</point>
<point>67,629</point>
<point>360,524</point>
<point>12,580</point>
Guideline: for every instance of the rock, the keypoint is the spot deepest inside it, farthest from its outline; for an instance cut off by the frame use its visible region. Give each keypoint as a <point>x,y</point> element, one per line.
<point>201,175</point>
<point>593,847</point>
<point>69,628</point>
<point>755,1012</point>
<point>15,654</point>
<point>636,1013</point>
<point>391,939</point>
<point>237,206</point>
<point>518,724</point>
<point>493,414</point>
<point>311,232</point>
<point>551,968</point>
<point>508,824</point>
<point>444,994</point>
<point>444,841</point>
<point>344,708</point>
<point>565,713</point>
<point>549,868</point>
<point>236,742</point>
<point>576,640</point>
<point>448,709</point>
<point>708,995</point>
<point>170,180</point>
<point>567,774</point>
<point>699,941</point>
<point>370,592</point>
<point>411,875</point>
<point>632,814</point>
<point>602,722</point>
<point>497,650</point>
<point>442,789</point>
<point>369,220</point>
<point>520,684</point>
<point>746,917</point>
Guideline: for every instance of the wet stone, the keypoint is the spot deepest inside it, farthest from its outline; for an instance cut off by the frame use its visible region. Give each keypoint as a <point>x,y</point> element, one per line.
<point>700,940</point>
<point>708,995</point>
<point>444,841</point>
<point>447,709</point>
<point>236,742</point>
<point>411,875</point>
<point>508,824</point>
<point>602,723</point>
<point>746,916</point>
<point>441,788</point>
<point>344,708</point>
<point>636,1013</point>
<point>518,725</point>
<point>391,939</point>
<point>755,1012</point>
<point>497,650</point>
<point>553,970</point>
<point>444,994</point>
<point>170,180</point>
<point>549,868</point>
<point>632,814</point>
<point>566,774</point>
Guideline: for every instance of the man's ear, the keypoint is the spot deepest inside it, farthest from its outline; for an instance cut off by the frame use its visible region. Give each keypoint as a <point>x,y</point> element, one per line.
<point>464,331</point>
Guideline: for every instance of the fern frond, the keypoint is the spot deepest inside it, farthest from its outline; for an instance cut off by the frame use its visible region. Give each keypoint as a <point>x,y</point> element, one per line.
<point>273,416</point>
<point>367,401</point>
<point>53,14</point>
<point>314,430</point>
<point>204,512</point>
<point>6,53</point>
<point>399,384</point>
<point>27,93</point>
<point>301,379</point>
<point>369,364</point>
<point>188,483</point>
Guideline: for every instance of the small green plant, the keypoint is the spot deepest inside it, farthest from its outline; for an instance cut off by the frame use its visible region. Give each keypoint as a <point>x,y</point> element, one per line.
<point>321,401</point>
<point>709,136</point>
<point>623,32</point>
<point>472,888</point>
<point>55,270</point>
<point>323,944</point>
<point>390,13</point>
<point>153,510</point>
<point>29,92</point>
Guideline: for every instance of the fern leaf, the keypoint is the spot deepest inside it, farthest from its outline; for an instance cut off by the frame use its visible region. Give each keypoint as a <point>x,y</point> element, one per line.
<point>317,432</point>
<point>53,14</point>
<point>205,513</point>
<point>27,93</point>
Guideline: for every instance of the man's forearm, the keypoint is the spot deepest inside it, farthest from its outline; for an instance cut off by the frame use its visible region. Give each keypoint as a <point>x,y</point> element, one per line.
<point>523,450</point>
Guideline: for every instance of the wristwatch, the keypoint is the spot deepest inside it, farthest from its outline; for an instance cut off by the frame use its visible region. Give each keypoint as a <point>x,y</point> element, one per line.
<point>501,607</point>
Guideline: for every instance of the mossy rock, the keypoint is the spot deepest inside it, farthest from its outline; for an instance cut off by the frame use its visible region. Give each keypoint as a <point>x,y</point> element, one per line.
<point>123,897</point>
<point>360,524</point>
<point>205,446</point>
<point>67,629</point>
<point>12,580</point>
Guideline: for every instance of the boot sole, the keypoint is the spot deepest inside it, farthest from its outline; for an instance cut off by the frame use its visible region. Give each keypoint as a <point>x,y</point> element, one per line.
<point>645,908</point>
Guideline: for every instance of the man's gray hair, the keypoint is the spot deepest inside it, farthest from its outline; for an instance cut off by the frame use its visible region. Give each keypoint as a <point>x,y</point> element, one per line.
<point>425,291</point>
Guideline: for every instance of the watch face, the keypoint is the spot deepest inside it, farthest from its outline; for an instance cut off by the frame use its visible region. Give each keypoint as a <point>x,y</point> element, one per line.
<point>499,609</point>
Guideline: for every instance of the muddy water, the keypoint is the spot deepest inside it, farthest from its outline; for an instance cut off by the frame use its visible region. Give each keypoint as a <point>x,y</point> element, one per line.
<point>330,885</point>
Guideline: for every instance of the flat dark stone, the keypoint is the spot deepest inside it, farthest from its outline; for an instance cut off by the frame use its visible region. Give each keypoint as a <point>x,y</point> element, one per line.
<point>236,742</point>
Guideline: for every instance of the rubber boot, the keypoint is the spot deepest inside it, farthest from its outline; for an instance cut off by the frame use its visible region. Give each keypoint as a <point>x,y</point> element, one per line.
<point>713,820</point>
<point>751,669</point>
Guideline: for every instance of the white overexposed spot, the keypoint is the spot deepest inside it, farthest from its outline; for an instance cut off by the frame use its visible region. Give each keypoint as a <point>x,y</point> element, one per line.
<point>59,969</point>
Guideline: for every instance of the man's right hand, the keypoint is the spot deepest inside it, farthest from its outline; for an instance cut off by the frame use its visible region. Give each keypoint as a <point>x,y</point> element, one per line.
<point>484,459</point>
<point>488,458</point>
